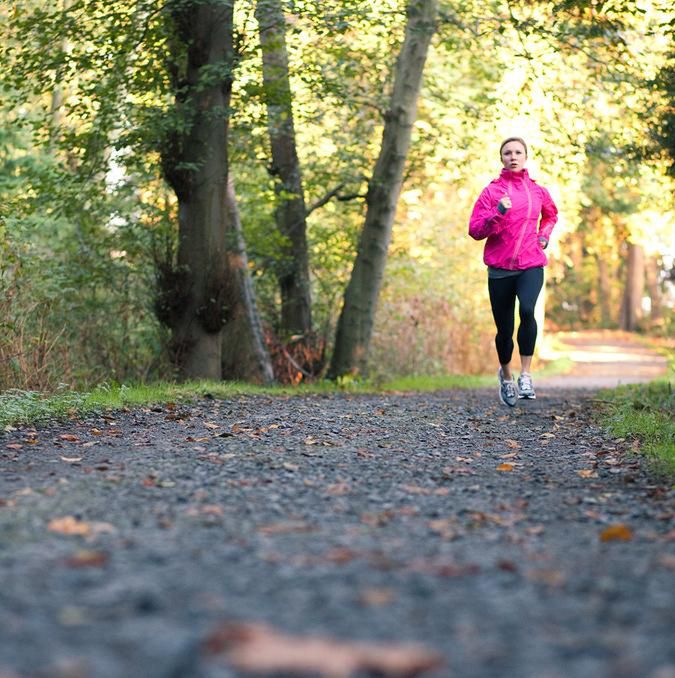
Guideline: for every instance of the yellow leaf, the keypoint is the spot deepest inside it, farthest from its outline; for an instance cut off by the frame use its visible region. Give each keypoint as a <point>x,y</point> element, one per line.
<point>618,532</point>
<point>587,473</point>
<point>505,467</point>
<point>69,525</point>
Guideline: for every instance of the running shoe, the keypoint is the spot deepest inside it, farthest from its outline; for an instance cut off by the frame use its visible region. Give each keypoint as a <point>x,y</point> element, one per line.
<point>507,390</point>
<point>525,388</point>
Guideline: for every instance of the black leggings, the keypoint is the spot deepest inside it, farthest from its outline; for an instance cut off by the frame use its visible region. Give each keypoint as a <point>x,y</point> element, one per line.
<point>503,292</point>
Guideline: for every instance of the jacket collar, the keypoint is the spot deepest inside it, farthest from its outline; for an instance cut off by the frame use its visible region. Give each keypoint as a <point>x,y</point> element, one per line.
<point>508,174</point>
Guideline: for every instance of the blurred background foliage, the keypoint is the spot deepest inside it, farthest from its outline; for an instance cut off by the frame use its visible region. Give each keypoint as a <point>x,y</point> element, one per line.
<point>86,218</point>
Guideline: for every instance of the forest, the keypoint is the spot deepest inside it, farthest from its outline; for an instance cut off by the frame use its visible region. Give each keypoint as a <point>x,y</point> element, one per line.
<point>279,190</point>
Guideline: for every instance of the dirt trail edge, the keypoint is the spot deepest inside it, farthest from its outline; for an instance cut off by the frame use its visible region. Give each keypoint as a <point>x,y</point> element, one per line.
<point>509,543</point>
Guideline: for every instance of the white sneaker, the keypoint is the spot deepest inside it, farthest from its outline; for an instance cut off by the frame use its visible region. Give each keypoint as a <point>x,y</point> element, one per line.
<point>525,387</point>
<point>507,390</point>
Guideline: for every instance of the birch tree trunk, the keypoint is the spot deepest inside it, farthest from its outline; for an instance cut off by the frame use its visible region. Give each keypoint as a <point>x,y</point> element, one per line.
<point>245,356</point>
<point>631,308</point>
<point>355,325</point>
<point>195,163</point>
<point>290,212</point>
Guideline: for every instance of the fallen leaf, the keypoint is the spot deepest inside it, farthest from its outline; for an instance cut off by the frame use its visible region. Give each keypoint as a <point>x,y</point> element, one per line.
<point>668,561</point>
<point>509,455</point>
<point>338,489</point>
<point>285,527</point>
<point>69,437</point>
<point>513,444</point>
<point>14,446</point>
<point>261,649</point>
<point>587,473</point>
<point>618,532</point>
<point>87,559</point>
<point>211,426</point>
<point>69,525</point>
<point>548,577</point>
<point>71,460</point>
<point>505,467</point>
<point>376,597</point>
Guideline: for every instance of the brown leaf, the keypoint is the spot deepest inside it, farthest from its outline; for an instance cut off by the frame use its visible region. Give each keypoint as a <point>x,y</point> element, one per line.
<point>285,527</point>
<point>376,597</point>
<point>550,577</point>
<point>14,446</point>
<point>211,425</point>
<point>260,649</point>
<point>69,437</point>
<point>87,559</point>
<point>69,525</point>
<point>618,532</point>
<point>587,473</point>
<point>338,489</point>
<point>505,467</point>
<point>513,444</point>
<point>668,561</point>
<point>74,526</point>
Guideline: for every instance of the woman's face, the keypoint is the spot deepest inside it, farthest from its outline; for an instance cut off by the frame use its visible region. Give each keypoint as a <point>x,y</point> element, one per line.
<point>514,156</point>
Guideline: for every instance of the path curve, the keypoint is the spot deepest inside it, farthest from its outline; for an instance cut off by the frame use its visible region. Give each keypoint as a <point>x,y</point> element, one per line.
<point>602,359</point>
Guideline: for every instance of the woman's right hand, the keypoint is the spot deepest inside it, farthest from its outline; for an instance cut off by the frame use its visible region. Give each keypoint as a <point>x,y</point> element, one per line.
<point>504,204</point>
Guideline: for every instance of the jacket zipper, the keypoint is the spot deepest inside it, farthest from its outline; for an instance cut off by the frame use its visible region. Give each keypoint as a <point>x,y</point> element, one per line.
<point>524,227</point>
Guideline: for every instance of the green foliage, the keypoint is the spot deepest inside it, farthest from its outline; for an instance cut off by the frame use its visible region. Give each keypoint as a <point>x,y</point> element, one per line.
<point>85,215</point>
<point>645,413</point>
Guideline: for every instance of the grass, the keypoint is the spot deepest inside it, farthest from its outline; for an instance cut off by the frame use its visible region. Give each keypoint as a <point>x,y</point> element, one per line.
<point>645,412</point>
<point>21,408</point>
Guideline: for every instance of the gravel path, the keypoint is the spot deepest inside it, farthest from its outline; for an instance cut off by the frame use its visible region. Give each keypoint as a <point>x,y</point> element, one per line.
<point>518,543</point>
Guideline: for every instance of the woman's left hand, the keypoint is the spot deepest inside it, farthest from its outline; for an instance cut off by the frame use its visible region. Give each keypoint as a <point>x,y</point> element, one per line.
<point>543,243</point>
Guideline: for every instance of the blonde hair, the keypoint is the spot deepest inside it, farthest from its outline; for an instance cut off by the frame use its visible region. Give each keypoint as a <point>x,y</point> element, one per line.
<point>506,141</point>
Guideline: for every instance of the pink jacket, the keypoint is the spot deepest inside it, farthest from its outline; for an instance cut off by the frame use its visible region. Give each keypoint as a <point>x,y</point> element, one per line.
<point>512,237</point>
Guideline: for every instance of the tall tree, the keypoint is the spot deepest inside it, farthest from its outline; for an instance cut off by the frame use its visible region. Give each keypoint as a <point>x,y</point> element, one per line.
<point>355,324</point>
<point>245,355</point>
<point>290,212</point>
<point>195,163</point>
<point>631,308</point>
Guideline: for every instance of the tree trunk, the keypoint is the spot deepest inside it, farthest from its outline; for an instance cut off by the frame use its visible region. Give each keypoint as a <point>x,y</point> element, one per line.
<point>245,356</point>
<point>290,212</point>
<point>355,325</point>
<point>605,291</point>
<point>195,163</point>
<point>631,309</point>
<point>653,288</point>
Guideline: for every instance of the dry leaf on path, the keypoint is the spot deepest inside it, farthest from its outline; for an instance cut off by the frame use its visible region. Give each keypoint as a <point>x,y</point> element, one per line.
<point>376,597</point>
<point>587,473</point>
<point>260,649</point>
<point>87,559</point>
<point>71,525</point>
<point>505,467</point>
<point>618,532</point>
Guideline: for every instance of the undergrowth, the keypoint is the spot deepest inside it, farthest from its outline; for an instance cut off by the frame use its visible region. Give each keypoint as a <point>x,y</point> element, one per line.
<point>645,412</point>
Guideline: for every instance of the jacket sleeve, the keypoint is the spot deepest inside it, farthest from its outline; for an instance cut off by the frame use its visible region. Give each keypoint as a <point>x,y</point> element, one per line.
<point>549,215</point>
<point>486,219</point>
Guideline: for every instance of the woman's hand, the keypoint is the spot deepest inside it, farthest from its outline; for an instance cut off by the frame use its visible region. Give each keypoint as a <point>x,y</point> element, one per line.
<point>504,204</point>
<point>543,243</point>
